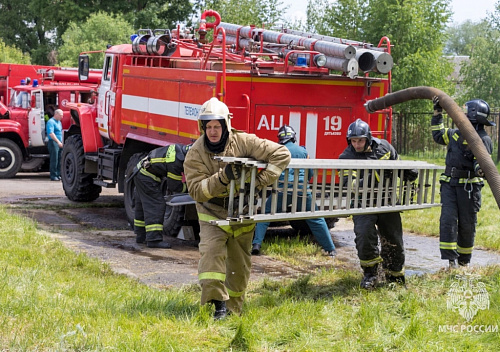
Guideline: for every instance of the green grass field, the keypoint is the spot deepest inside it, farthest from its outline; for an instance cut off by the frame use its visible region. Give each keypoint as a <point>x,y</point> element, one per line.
<point>52,299</point>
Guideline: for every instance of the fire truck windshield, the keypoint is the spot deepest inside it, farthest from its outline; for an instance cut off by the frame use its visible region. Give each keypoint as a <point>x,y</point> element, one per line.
<point>19,99</point>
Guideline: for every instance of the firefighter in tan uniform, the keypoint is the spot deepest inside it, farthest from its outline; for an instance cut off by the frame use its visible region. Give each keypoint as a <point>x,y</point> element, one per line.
<point>225,263</point>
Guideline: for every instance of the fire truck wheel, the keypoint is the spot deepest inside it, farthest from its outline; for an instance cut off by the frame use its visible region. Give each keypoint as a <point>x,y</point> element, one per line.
<point>129,188</point>
<point>11,158</point>
<point>78,185</point>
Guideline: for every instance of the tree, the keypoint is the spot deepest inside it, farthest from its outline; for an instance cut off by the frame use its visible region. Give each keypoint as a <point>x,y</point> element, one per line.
<point>36,26</point>
<point>415,28</point>
<point>481,74</point>
<point>462,37</point>
<point>98,31</point>
<point>248,12</point>
<point>12,55</point>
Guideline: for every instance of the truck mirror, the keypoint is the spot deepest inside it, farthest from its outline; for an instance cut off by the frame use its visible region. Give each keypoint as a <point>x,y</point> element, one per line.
<point>83,67</point>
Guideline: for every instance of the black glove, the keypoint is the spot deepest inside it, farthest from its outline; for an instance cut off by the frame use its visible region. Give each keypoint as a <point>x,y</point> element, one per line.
<point>233,171</point>
<point>410,175</point>
<point>480,172</point>
<point>437,107</point>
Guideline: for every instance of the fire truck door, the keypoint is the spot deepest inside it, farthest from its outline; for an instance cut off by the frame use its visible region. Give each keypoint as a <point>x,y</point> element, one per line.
<point>106,97</point>
<point>321,130</point>
<point>36,120</point>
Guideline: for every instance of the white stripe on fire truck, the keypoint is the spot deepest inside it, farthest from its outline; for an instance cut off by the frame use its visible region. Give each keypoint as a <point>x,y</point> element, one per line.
<point>311,134</point>
<point>161,107</point>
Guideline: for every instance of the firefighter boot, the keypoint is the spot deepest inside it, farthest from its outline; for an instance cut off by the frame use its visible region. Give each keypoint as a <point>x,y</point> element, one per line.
<point>256,249</point>
<point>220,309</point>
<point>453,264</point>
<point>159,244</point>
<point>400,280</point>
<point>370,278</point>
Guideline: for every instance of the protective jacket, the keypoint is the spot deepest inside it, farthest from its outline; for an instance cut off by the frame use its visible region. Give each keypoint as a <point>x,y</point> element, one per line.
<point>149,202</point>
<point>460,191</point>
<point>225,263</point>
<point>367,228</point>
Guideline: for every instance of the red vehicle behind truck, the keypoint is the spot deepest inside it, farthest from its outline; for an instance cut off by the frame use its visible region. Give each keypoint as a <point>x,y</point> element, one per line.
<point>23,143</point>
<point>152,89</point>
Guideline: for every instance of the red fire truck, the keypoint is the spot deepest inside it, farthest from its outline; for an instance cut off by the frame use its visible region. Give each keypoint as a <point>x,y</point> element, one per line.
<point>152,89</point>
<point>23,143</point>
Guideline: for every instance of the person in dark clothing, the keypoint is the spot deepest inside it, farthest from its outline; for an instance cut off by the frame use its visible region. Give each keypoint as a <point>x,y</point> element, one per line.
<point>368,228</point>
<point>318,227</point>
<point>149,202</point>
<point>461,183</point>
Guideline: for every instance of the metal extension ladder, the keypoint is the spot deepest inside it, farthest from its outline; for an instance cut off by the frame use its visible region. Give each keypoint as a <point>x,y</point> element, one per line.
<point>333,196</point>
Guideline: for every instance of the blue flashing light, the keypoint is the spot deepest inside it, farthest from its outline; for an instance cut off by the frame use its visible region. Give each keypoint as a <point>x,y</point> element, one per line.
<point>132,37</point>
<point>35,83</point>
<point>23,82</point>
<point>301,61</point>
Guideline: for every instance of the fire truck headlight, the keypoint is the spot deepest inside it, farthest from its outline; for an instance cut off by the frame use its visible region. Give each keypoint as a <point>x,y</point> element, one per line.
<point>320,60</point>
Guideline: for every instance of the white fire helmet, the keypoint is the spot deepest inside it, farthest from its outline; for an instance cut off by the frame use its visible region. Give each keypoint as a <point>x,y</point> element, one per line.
<point>214,109</point>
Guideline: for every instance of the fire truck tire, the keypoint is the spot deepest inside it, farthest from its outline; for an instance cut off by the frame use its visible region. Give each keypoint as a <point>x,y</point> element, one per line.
<point>78,185</point>
<point>11,158</point>
<point>129,188</point>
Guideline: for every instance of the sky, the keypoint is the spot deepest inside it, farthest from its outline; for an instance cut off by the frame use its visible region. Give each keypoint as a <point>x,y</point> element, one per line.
<point>474,10</point>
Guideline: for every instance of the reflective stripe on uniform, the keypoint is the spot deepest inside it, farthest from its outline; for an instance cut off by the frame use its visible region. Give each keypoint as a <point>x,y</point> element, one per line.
<point>463,250</point>
<point>139,223</point>
<point>371,262</point>
<point>274,169</point>
<point>386,156</point>
<point>234,293</point>
<point>437,127</point>
<point>174,176</point>
<point>204,188</point>
<point>396,273</point>
<point>226,228</point>
<point>210,275</point>
<point>149,174</point>
<point>154,227</point>
<point>445,178</point>
<point>448,245</point>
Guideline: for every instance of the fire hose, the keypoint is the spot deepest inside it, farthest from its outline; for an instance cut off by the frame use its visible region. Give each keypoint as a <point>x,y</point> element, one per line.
<point>455,112</point>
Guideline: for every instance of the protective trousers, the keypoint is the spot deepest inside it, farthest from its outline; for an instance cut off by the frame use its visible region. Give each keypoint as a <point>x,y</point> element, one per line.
<point>318,227</point>
<point>367,229</point>
<point>149,208</point>
<point>225,263</point>
<point>458,221</point>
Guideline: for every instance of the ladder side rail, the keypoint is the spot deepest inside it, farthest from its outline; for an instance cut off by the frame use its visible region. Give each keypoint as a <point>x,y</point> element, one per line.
<point>434,179</point>
<point>284,197</point>
<point>323,189</point>
<point>241,203</point>
<point>295,190</point>
<point>314,188</point>
<point>305,191</point>
<point>251,200</point>
<point>397,175</point>
<point>230,205</point>
<point>340,189</point>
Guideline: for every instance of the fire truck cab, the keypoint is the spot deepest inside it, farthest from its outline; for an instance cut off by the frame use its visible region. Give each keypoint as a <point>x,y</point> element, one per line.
<point>152,89</point>
<point>23,141</point>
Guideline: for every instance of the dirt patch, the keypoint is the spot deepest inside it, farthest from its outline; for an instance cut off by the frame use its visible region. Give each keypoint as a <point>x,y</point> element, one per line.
<point>100,229</point>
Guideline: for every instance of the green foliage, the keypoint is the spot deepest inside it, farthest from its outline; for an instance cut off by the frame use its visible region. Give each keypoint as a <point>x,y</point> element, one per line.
<point>248,12</point>
<point>462,37</point>
<point>52,299</point>
<point>98,31</point>
<point>481,73</point>
<point>12,55</point>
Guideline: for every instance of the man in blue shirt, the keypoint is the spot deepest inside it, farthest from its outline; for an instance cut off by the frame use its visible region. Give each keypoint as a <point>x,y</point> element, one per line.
<point>54,131</point>
<point>318,227</point>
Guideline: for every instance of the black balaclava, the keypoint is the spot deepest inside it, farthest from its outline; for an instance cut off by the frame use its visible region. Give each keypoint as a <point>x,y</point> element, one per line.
<point>218,147</point>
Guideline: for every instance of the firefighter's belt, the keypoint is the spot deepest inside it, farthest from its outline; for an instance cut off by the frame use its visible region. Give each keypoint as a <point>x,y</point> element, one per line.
<point>454,172</point>
<point>221,202</point>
